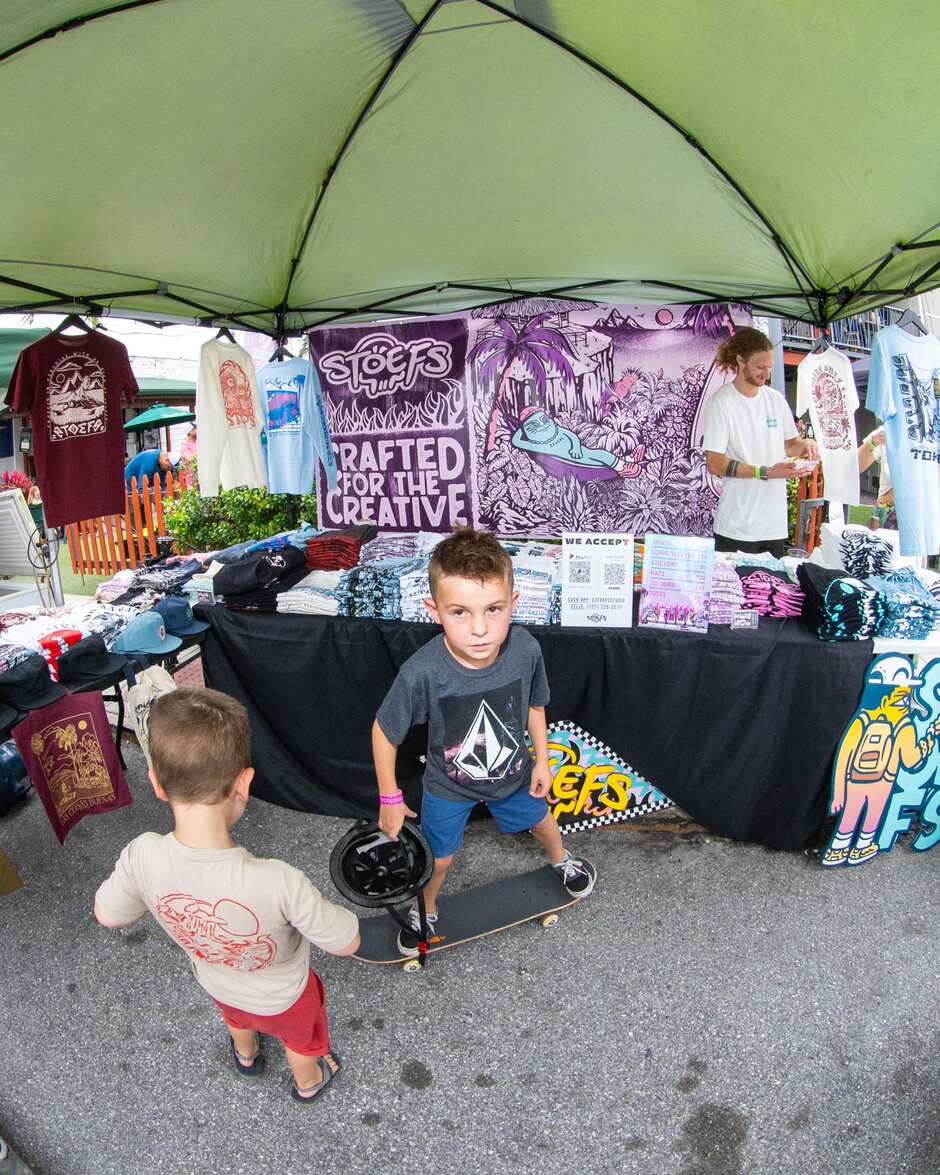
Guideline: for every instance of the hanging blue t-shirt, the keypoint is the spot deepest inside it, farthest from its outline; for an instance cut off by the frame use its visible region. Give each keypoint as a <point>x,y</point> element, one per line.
<point>296,427</point>
<point>903,391</point>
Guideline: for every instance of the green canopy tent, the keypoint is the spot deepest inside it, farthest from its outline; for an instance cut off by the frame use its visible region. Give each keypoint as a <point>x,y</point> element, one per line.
<point>12,343</point>
<point>159,416</point>
<point>280,165</point>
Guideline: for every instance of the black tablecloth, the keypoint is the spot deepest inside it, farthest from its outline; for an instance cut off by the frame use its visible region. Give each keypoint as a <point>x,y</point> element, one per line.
<point>738,728</point>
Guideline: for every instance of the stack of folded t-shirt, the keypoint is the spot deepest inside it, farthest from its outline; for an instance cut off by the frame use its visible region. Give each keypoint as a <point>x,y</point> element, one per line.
<point>837,607</point>
<point>254,582</point>
<point>771,593</point>
<point>727,594</point>
<point>314,595</point>
<point>110,589</point>
<point>554,615</point>
<point>913,613</point>
<point>337,550</point>
<point>414,589</point>
<point>930,579</point>
<point>374,589</point>
<point>863,552</point>
<point>400,546</point>
<point>534,577</point>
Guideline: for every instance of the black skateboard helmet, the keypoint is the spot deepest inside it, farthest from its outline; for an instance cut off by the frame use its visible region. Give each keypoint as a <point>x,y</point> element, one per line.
<point>370,870</point>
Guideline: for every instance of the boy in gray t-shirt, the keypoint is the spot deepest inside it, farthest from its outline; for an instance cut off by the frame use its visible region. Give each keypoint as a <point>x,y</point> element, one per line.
<point>479,686</point>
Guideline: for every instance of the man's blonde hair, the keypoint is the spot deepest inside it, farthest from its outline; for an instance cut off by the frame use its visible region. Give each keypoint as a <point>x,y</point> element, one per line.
<point>200,742</point>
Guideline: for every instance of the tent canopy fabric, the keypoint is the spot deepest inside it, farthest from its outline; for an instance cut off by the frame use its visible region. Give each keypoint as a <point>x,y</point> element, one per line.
<point>299,162</point>
<point>12,343</point>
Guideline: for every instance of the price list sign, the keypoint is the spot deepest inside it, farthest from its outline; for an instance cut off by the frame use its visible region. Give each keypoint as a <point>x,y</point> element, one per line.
<point>677,580</point>
<point>597,580</point>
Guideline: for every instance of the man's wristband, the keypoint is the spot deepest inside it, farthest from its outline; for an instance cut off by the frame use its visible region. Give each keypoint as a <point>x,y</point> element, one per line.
<point>757,472</point>
<point>391,799</point>
<point>760,472</point>
<point>732,467</point>
<point>871,444</point>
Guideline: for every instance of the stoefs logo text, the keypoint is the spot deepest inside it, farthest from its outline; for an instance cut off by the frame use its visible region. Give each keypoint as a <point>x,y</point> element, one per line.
<point>380,365</point>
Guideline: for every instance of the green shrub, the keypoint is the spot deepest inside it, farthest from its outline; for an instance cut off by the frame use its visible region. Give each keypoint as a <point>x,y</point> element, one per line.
<point>235,516</point>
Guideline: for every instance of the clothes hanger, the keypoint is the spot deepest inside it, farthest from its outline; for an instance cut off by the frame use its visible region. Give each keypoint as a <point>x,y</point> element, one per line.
<point>77,321</point>
<point>823,341</point>
<point>225,333</point>
<point>909,318</point>
<point>280,353</point>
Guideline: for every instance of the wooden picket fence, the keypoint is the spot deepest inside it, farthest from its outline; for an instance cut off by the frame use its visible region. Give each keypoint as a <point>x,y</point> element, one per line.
<point>810,487</point>
<point>103,546</point>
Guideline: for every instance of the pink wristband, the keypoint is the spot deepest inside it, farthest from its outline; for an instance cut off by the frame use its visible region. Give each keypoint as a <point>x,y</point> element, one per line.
<point>391,798</point>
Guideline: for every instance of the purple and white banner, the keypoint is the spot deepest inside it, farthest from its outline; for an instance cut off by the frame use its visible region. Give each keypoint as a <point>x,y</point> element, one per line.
<point>396,404</point>
<point>528,418</point>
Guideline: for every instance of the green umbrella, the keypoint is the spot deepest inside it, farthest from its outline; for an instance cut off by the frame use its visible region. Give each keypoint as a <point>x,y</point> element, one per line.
<point>421,157</point>
<point>157,416</point>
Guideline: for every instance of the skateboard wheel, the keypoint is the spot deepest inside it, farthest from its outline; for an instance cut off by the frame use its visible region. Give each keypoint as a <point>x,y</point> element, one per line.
<point>411,965</point>
<point>549,920</point>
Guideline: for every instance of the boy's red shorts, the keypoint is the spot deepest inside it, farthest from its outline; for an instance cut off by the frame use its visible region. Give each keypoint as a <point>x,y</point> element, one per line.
<point>302,1027</point>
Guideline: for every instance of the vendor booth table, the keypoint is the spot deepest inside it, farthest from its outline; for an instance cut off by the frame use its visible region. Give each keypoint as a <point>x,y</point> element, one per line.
<point>739,728</point>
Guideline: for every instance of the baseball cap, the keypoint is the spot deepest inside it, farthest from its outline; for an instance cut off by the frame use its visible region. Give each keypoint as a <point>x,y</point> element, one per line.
<point>175,457</point>
<point>146,633</point>
<point>28,686</point>
<point>9,716</point>
<point>89,660</point>
<point>178,616</point>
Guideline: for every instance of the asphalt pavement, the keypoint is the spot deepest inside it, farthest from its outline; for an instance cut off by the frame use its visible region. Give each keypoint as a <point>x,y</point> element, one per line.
<point>712,1009</point>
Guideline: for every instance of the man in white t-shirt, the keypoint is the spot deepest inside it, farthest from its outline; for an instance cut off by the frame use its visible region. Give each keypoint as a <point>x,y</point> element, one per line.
<point>751,442</point>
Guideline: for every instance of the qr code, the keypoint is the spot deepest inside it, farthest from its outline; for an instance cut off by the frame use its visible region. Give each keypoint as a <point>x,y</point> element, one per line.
<point>580,570</point>
<point>615,574</point>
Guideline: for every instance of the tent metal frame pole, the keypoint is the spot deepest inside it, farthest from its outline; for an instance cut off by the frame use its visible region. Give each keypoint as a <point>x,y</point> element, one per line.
<point>76,22</point>
<point>377,92</point>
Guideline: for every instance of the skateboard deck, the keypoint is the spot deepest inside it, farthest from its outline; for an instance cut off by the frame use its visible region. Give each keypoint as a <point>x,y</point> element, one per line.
<point>472,913</point>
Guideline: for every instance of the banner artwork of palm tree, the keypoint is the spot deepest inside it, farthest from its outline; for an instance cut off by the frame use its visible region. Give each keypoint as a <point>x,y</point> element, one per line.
<point>588,425</point>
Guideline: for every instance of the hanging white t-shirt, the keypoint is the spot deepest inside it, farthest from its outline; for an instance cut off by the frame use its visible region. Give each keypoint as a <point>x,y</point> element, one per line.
<point>825,386</point>
<point>753,429</point>
<point>297,429</point>
<point>903,390</point>
<point>229,419</point>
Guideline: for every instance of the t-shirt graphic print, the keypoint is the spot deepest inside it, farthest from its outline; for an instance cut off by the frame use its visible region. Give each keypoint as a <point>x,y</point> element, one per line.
<point>226,932</point>
<point>482,735</point>
<point>237,397</point>
<point>77,403</point>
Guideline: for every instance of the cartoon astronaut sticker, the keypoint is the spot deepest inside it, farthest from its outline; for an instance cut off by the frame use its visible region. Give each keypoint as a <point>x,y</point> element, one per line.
<point>892,735</point>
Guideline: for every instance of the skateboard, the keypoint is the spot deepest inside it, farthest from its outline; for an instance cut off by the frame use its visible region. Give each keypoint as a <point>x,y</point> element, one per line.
<point>472,913</point>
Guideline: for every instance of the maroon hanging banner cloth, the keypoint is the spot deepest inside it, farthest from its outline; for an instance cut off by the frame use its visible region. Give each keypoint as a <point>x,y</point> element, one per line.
<point>70,755</point>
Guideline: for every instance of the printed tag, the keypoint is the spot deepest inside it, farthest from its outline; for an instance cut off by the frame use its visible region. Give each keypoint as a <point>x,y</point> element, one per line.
<point>745,618</point>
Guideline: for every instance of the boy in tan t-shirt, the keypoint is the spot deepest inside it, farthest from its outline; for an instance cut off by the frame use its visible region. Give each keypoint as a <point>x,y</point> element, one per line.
<point>246,922</point>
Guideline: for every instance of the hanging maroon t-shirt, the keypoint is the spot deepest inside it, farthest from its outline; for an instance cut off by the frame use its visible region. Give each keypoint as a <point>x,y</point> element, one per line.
<point>72,386</point>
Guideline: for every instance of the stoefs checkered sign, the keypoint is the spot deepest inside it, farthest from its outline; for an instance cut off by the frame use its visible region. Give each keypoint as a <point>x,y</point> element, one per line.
<point>593,786</point>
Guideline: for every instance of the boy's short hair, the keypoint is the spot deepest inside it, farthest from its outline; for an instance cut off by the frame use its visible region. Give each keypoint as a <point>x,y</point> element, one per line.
<point>200,742</point>
<point>470,554</point>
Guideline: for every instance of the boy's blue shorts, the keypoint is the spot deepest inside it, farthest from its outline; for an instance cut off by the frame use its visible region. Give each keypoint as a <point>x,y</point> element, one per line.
<point>443,821</point>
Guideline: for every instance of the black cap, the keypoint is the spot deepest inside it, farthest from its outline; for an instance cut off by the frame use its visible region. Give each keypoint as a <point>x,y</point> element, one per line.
<point>89,660</point>
<point>28,686</point>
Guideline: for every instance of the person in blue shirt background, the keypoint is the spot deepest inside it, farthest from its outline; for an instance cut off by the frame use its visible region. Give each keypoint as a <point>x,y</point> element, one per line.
<point>150,463</point>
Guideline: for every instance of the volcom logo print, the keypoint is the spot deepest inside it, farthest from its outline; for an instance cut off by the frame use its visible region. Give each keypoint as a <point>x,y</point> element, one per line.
<point>482,736</point>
